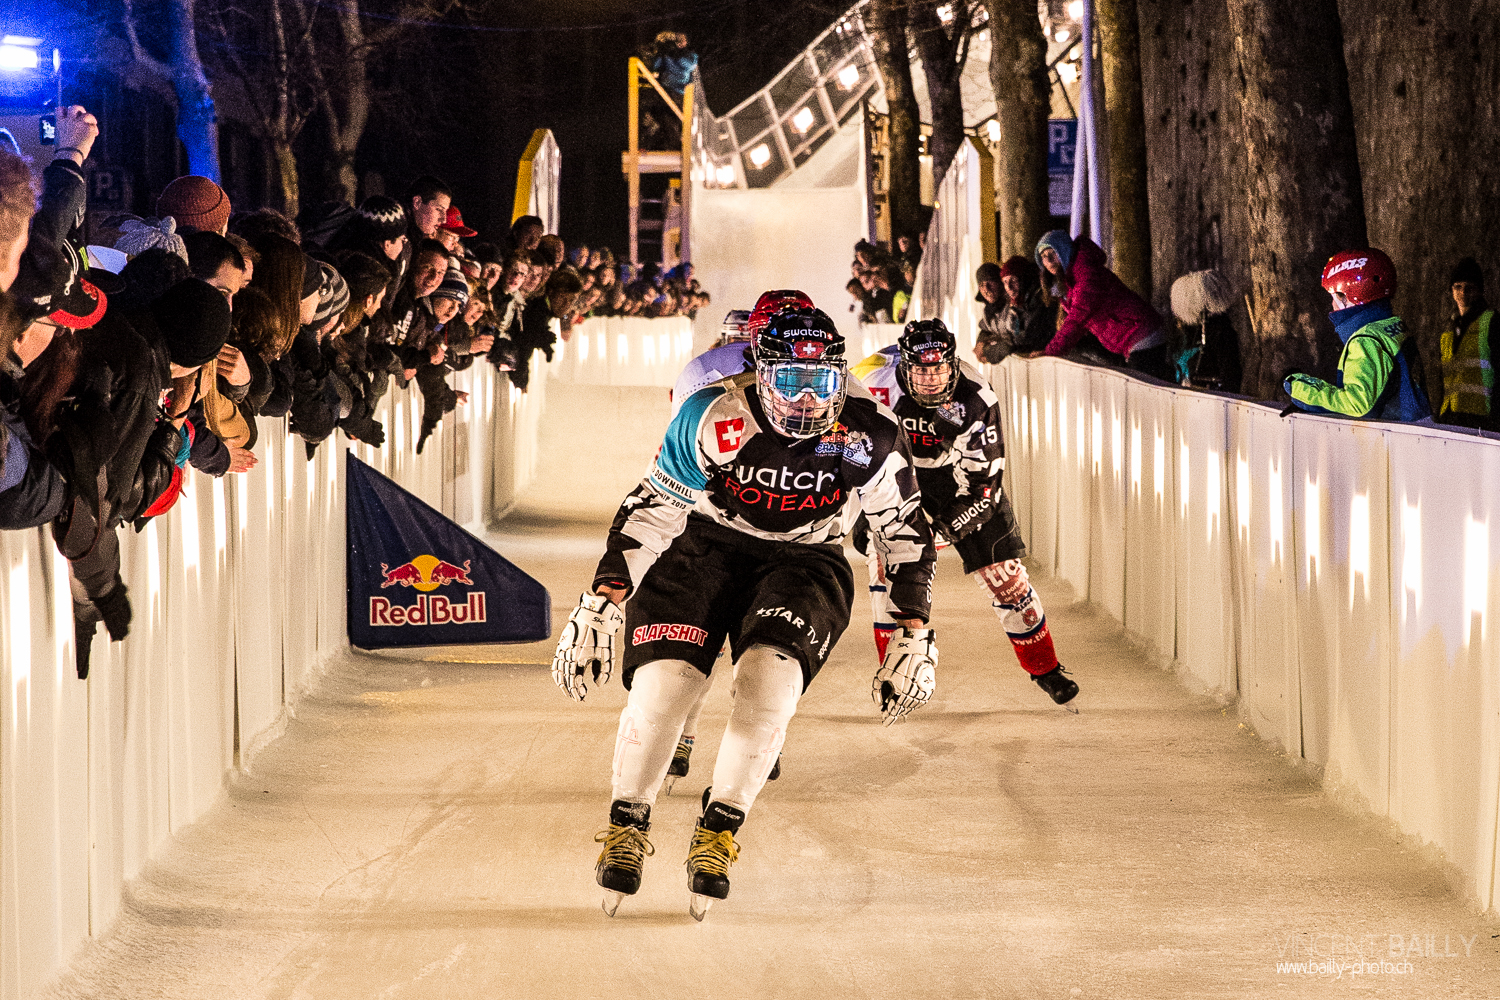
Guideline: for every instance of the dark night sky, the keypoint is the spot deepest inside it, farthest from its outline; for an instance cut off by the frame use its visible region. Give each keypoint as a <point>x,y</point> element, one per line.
<point>566,70</point>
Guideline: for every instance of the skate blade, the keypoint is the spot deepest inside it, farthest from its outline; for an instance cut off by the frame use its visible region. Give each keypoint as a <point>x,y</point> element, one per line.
<point>1069,706</point>
<point>698,906</point>
<point>671,780</point>
<point>611,901</point>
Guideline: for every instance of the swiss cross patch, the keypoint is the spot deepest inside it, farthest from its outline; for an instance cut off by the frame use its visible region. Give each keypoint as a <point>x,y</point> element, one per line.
<point>729,433</point>
<point>808,349</point>
<point>931,356</point>
<point>882,393</point>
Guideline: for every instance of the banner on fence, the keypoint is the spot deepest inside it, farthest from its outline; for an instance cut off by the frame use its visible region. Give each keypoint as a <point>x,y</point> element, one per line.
<point>418,579</point>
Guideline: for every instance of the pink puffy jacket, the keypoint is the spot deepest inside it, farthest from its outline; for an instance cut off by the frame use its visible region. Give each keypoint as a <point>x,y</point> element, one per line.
<point>1098,302</point>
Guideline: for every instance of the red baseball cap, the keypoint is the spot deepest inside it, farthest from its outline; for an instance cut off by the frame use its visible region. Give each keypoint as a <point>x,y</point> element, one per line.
<point>455,223</point>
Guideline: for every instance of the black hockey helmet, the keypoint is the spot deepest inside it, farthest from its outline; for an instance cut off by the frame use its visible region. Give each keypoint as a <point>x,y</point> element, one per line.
<point>801,374</point>
<point>928,369</point>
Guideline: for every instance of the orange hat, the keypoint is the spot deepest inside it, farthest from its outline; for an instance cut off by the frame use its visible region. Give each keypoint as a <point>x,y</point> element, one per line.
<point>197,203</point>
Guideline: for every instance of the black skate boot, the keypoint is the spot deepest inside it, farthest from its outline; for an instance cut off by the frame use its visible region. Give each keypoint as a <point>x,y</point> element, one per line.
<point>680,762</point>
<point>1059,687</point>
<point>625,847</point>
<point>711,853</point>
<point>776,770</point>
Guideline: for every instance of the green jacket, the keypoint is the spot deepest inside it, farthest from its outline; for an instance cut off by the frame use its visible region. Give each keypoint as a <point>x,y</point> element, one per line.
<point>1366,364</point>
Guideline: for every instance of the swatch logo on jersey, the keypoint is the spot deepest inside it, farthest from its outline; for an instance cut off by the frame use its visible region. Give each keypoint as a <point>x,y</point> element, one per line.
<point>456,590</point>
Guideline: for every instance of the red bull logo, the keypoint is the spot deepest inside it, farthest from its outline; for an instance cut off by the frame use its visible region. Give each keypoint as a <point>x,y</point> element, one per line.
<point>427,573</point>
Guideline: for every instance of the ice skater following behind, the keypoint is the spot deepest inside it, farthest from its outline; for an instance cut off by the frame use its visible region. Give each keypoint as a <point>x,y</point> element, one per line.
<point>952,420</point>
<point>777,455</point>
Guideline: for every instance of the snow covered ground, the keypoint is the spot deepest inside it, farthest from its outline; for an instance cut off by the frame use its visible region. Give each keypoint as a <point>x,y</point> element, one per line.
<point>425,829</point>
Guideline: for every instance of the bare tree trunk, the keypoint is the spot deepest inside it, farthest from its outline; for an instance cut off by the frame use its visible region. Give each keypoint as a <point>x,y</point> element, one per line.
<point>356,100</point>
<point>940,48</point>
<point>197,118</point>
<point>1119,28</point>
<point>887,23</point>
<point>1023,98</point>
<point>1305,193</point>
<point>281,133</point>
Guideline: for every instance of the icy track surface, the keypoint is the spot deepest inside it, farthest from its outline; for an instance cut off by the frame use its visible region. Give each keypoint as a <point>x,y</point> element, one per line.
<point>425,830</point>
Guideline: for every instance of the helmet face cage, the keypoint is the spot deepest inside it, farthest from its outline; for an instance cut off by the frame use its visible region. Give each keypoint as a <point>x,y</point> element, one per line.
<point>801,375</point>
<point>928,350</point>
<point>802,399</point>
<point>735,329</point>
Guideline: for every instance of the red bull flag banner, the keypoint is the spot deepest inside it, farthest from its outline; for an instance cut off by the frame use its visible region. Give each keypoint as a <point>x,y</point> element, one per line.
<point>418,579</point>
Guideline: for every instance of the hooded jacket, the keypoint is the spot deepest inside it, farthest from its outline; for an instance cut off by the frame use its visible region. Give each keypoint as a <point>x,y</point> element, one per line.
<point>1377,377</point>
<point>1098,302</point>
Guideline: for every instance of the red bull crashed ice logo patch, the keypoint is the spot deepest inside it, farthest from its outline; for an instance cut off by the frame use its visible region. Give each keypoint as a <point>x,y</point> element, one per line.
<point>426,573</point>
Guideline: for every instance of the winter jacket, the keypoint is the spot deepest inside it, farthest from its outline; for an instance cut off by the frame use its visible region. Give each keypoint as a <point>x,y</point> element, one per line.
<point>1378,376</point>
<point>31,491</point>
<point>1468,369</point>
<point>1006,329</point>
<point>1097,302</point>
<point>45,264</point>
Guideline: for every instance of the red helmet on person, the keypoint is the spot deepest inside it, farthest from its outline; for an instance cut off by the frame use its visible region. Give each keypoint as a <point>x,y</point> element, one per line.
<point>771,303</point>
<point>1361,275</point>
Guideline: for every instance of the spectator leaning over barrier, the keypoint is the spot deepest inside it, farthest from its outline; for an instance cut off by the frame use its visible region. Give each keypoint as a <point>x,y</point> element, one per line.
<point>427,202</point>
<point>526,233</point>
<point>1379,370</point>
<point>1017,319</point>
<point>197,204</point>
<point>1095,303</point>
<point>1468,368</point>
<point>536,334</point>
<point>453,229</point>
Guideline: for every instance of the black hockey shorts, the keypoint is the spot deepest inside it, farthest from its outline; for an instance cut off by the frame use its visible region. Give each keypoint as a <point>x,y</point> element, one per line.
<point>996,540</point>
<point>714,582</point>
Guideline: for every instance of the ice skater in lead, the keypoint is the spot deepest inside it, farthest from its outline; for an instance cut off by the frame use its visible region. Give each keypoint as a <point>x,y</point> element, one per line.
<point>778,455</point>
<point>952,420</point>
<point>729,357</point>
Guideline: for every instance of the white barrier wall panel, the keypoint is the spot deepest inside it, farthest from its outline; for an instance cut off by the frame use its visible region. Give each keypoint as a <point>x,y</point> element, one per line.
<point>1045,464</point>
<point>1149,534</point>
<point>1075,481</point>
<point>1260,451</point>
<point>1205,609</point>
<point>1109,461</point>
<point>238,600</point>
<point>1445,494</point>
<point>1345,689</point>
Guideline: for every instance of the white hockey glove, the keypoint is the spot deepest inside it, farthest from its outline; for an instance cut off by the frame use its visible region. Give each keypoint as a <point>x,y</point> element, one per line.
<point>587,645</point>
<point>907,675</point>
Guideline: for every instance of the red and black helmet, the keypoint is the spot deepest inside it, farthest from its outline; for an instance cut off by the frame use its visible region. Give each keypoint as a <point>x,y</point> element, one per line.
<point>771,303</point>
<point>1361,275</point>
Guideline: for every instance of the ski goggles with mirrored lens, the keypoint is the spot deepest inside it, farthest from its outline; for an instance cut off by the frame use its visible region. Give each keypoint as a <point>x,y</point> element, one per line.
<point>793,381</point>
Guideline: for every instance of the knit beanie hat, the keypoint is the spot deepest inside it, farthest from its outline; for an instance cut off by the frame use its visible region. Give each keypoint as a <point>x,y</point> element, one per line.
<point>1467,270</point>
<point>333,295</point>
<point>384,216</point>
<point>1059,241</point>
<point>197,203</point>
<point>312,276</point>
<point>193,317</point>
<point>453,287</point>
<point>137,236</point>
<point>1020,268</point>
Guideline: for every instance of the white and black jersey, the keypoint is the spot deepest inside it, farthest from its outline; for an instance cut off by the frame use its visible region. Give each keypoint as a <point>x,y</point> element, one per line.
<point>719,449</point>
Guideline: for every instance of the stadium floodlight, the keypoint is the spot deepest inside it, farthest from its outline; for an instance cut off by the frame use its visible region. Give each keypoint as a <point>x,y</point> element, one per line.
<point>15,58</point>
<point>802,120</point>
<point>992,129</point>
<point>848,76</point>
<point>760,156</point>
<point>1075,10</point>
<point>1063,34</point>
<point>725,175</point>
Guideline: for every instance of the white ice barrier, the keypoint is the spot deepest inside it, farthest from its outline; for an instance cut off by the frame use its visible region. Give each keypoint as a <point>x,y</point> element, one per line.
<point>625,350</point>
<point>238,597</point>
<point>1336,577</point>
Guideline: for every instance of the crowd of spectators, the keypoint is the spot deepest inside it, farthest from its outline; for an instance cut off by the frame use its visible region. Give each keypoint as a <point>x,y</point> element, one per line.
<point>1066,301</point>
<point>128,361</point>
<point>882,279</point>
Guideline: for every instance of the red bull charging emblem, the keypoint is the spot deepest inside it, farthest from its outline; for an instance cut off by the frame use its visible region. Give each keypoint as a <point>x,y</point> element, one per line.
<point>427,573</point>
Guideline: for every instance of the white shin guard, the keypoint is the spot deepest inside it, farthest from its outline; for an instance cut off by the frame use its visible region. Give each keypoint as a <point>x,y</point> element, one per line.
<point>767,684</point>
<point>662,693</point>
<point>690,727</point>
